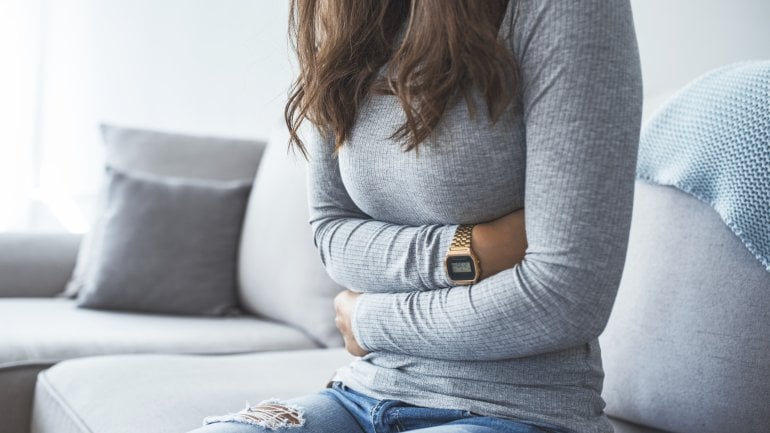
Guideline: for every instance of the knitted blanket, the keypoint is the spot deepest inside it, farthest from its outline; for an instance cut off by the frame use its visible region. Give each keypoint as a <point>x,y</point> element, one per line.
<point>712,140</point>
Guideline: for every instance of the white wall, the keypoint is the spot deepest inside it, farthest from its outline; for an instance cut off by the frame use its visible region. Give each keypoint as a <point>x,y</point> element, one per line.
<point>195,66</point>
<point>209,66</point>
<point>682,39</point>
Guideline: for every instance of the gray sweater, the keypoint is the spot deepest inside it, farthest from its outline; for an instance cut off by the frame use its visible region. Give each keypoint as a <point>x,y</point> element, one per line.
<point>523,343</point>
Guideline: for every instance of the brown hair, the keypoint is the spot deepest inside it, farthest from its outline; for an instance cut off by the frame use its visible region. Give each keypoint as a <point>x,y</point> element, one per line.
<point>448,49</point>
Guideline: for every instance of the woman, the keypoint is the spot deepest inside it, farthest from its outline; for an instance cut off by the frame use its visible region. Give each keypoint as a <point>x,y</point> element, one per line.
<point>435,124</point>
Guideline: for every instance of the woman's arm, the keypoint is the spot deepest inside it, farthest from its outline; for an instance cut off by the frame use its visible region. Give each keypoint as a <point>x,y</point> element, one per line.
<point>581,83</point>
<point>365,255</point>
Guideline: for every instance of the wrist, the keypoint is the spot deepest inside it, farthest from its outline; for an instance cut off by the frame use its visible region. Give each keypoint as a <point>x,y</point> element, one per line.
<point>484,243</point>
<point>500,244</point>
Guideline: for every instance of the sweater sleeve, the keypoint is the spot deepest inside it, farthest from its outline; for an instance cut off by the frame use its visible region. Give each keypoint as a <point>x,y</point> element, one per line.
<point>581,88</point>
<point>363,254</point>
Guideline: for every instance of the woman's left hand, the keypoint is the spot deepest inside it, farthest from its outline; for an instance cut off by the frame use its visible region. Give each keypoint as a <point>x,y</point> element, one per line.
<point>343,306</point>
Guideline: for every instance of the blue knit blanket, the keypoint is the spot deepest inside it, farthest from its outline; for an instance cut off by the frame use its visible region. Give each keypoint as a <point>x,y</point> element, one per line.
<point>712,140</point>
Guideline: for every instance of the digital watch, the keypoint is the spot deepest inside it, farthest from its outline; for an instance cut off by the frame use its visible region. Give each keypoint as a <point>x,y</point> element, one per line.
<point>461,264</point>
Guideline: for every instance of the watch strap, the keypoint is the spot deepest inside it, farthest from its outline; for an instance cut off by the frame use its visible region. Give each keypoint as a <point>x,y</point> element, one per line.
<point>462,237</point>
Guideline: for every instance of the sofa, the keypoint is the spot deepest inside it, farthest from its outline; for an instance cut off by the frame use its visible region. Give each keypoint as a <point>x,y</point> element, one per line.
<point>40,325</point>
<point>685,350</point>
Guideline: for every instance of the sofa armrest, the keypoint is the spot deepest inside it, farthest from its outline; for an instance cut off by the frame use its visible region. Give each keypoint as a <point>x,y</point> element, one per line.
<point>36,264</point>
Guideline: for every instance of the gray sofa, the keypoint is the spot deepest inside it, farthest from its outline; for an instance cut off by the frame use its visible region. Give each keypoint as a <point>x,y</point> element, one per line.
<point>40,327</point>
<point>686,349</point>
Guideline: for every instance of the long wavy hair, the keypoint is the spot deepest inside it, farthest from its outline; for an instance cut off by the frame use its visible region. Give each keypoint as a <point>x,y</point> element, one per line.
<point>448,49</point>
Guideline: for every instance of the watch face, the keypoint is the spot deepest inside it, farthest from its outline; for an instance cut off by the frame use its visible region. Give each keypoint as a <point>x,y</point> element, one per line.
<point>461,268</point>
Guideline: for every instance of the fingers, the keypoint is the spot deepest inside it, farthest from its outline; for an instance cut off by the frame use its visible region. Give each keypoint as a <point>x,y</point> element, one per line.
<point>343,306</point>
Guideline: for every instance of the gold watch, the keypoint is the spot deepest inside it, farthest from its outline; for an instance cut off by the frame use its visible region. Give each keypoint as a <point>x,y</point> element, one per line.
<point>461,263</point>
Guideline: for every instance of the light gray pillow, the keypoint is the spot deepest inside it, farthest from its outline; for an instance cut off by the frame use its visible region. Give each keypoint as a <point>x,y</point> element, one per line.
<point>181,155</point>
<point>167,154</point>
<point>168,245</point>
<point>281,276</point>
<point>686,348</point>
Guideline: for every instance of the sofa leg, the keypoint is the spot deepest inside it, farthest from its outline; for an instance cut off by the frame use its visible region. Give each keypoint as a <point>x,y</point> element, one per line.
<point>17,389</point>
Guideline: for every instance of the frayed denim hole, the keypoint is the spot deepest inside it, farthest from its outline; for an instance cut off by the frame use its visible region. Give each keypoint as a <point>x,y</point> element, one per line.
<point>270,414</point>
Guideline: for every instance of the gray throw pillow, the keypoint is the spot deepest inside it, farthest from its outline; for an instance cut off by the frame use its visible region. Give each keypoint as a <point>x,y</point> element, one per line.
<point>166,154</point>
<point>280,273</point>
<point>167,245</point>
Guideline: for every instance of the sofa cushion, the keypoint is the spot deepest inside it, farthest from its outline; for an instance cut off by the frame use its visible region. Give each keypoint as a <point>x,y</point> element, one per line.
<point>181,155</point>
<point>177,392</point>
<point>168,245</point>
<point>280,272</point>
<point>166,154</point>
<point>686,348</point>
<point>51,330</point>
<point>174,392</point>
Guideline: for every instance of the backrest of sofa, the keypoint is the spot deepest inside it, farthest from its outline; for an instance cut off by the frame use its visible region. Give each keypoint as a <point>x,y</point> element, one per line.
<point>687,347</point>
<point>280,274</point>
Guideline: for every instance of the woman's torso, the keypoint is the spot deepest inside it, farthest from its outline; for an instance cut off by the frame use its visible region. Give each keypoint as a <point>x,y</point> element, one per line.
<point>469,171</point>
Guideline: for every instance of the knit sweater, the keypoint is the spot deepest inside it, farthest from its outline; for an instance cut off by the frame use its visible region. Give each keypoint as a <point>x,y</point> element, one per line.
<point>523,343</point>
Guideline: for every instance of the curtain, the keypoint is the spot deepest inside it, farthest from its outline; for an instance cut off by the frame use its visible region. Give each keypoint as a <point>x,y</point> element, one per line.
<point>34,195</point>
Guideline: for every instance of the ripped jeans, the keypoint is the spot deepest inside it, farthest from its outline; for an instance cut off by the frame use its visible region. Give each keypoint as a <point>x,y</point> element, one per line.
<point>340,409</point>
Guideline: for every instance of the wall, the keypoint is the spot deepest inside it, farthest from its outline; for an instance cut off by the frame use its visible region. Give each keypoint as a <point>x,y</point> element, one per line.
<point>200,66</point>
<point>681,39</point>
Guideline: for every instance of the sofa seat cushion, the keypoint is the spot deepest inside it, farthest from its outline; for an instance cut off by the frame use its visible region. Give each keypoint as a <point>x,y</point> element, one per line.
<point>170,393</point>
<point>119,394</point>
<point>50,330</point>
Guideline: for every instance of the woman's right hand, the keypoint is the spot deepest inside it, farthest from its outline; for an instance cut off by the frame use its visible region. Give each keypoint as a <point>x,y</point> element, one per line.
<point>500,244</point>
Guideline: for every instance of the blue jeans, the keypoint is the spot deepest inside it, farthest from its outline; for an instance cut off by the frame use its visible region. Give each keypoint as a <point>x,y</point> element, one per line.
<point>340,409</point>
